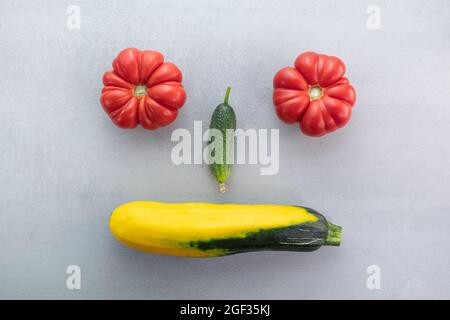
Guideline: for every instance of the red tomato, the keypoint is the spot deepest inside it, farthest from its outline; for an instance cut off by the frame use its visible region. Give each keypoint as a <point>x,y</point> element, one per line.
<point>142,89</point>
<point>314,93</point>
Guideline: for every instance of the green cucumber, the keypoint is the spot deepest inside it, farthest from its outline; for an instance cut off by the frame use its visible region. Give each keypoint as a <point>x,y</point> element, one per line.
<point>223,119</point>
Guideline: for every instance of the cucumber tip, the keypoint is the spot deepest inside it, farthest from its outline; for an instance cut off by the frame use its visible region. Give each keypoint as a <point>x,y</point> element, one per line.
<point>222,188</point>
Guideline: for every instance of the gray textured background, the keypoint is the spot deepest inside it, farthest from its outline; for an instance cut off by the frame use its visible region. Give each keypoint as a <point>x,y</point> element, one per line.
<point>63,165</point>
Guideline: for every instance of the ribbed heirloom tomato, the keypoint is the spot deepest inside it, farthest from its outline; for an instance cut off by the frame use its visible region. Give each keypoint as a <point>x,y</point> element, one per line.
<point>315,93</point>
<point>142,89</point>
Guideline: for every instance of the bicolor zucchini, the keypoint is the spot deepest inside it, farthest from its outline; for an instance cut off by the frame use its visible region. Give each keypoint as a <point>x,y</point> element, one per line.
<point>211,230</point>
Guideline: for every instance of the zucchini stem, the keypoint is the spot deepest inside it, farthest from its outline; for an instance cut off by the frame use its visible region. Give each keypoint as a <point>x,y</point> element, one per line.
<point>334,235</point>
<point>227,95</point>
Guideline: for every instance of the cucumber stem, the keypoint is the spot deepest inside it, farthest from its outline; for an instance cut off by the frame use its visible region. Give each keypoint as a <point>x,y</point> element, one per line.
<point>334,235</point>
<point>227,95</point>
